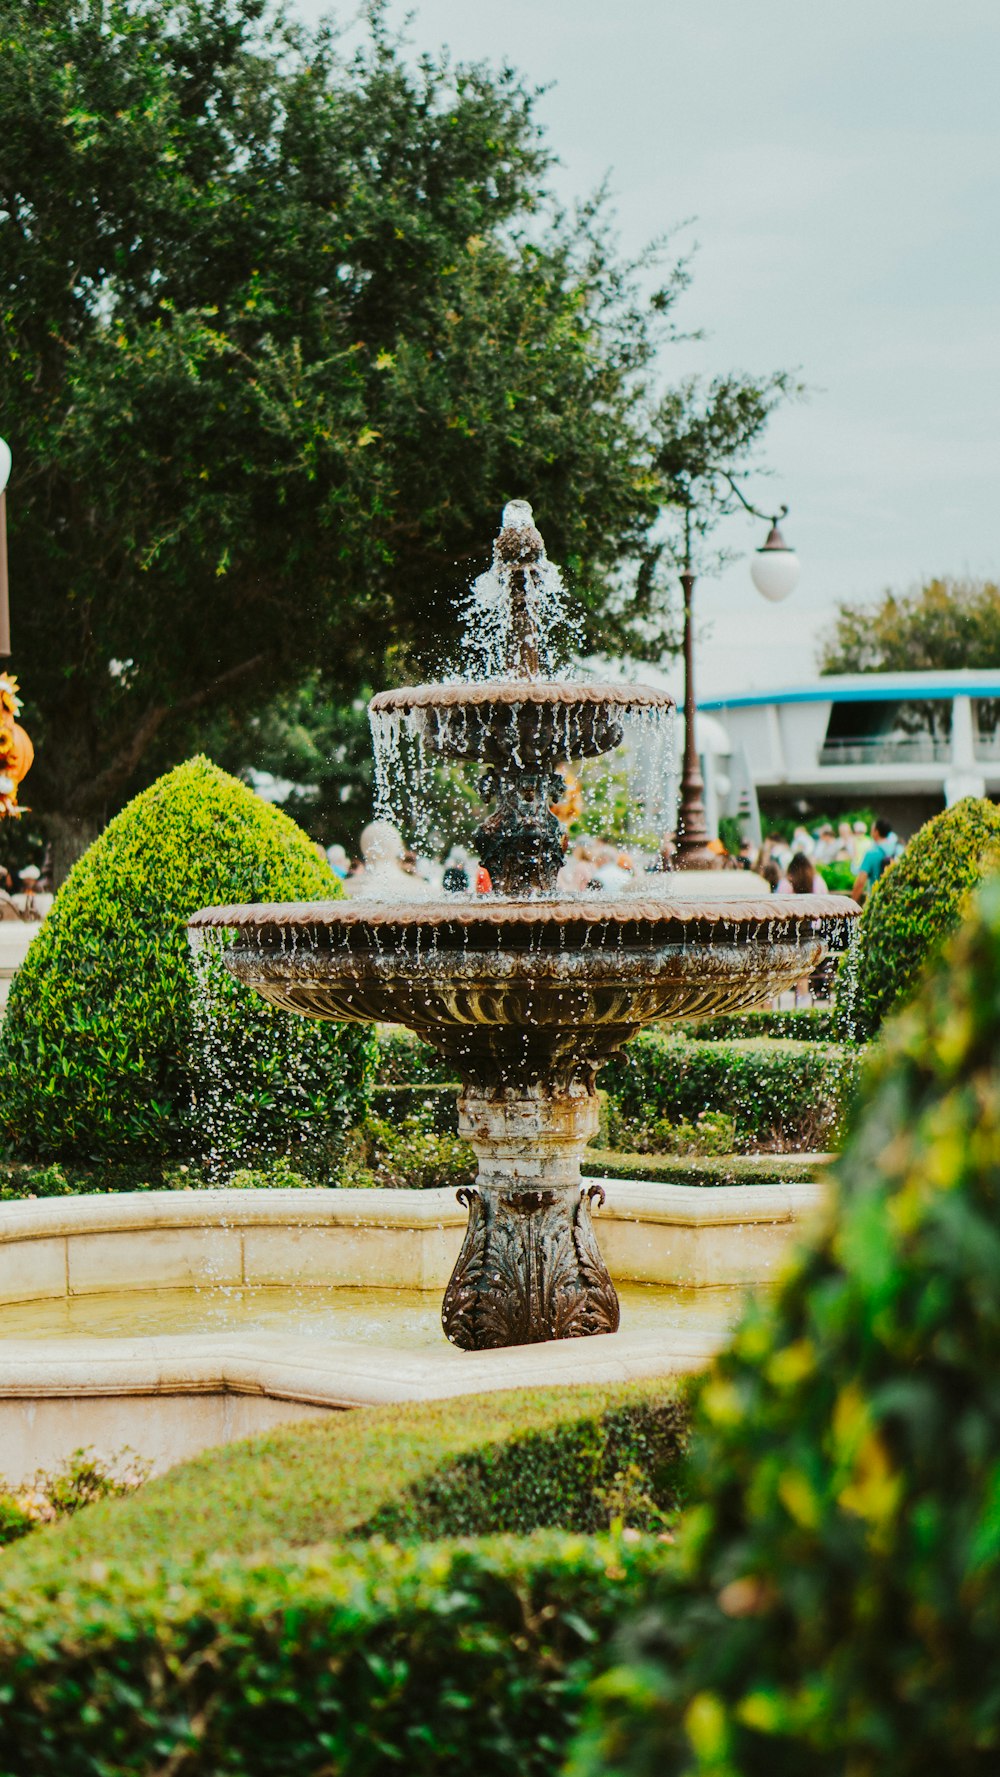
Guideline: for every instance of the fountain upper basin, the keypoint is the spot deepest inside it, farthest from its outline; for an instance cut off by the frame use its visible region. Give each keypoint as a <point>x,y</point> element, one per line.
<point>528,722</point>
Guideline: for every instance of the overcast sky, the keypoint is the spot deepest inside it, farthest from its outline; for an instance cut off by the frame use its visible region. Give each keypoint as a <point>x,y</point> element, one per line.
<point>841,163</point>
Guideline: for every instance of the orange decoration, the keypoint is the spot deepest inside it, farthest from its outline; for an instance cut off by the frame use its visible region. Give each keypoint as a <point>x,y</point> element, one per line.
<point>22,756</point>
<point>570,804</point>
<point>16,750</point>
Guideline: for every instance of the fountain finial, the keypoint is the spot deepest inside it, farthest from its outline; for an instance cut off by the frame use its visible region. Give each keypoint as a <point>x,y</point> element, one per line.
<point>517,555</point>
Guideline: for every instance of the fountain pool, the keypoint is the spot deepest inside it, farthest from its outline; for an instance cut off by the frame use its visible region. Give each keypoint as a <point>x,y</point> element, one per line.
<point>407,1318</point>
<point>167,1321</point>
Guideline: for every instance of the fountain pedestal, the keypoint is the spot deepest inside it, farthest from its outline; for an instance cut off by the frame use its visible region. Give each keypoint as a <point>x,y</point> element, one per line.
<point>530,1268</point>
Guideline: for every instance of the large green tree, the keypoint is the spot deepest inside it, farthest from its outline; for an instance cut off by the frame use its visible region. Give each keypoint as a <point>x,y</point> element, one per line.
<point>281,327</point>
<point>943,625</point>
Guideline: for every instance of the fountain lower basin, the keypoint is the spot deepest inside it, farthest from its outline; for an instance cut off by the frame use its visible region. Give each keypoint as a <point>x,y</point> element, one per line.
<point>70,1267</point>
<point>526,998</point>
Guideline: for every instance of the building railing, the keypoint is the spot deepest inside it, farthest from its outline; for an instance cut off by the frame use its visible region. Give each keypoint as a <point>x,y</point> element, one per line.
<point>909,749</point>
<point>987,746</point>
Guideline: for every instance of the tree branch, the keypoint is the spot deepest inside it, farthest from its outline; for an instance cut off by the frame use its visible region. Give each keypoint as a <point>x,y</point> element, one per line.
<point>115,775</point>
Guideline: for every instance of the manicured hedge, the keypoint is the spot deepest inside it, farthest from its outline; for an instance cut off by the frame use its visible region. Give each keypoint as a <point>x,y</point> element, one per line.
<point>107,1051</point>
<point>708,1169</point>
<point>781,1093</point>
<point>305,1484</point>
<point>835,1605</point>
<point>355,1661</point>
<point>807,1024</point>
<point>130,1643</point>
<point>914,906</point>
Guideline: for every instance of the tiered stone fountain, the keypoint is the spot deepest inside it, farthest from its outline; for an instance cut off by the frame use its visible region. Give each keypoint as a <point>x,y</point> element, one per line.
<point>524,991</point>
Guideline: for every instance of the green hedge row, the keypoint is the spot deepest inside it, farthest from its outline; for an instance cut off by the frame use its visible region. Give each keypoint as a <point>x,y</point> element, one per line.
<point>354,1661</point>
<point>709,1169</point>
<point>807,1024</point>
<point>780,1093</point>
<point>545,1458</point>
<point>128,1644</point>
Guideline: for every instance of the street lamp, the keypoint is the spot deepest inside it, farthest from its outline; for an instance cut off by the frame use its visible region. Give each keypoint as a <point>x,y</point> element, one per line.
<point>775,571</point>
<point>5,463</point>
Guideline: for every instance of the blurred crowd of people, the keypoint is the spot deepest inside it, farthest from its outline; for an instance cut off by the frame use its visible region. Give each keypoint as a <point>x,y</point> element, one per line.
<point>387,870</point>
<point>25,894</point>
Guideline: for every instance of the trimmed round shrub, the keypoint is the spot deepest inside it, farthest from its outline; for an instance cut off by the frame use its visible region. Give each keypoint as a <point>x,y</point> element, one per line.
<point>914,906</point>
<point>834,1604</point>
<point>113,1045</point>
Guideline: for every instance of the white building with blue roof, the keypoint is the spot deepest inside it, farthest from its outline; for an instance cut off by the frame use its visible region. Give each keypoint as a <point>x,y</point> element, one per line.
<point>907,744</point>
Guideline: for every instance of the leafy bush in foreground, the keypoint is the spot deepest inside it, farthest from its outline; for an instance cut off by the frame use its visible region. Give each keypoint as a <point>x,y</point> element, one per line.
<point>104,1042</point>
<point>914,906</point>
<point>835,1607</point>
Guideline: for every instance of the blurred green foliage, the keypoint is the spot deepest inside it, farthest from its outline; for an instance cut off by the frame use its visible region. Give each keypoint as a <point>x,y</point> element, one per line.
<point>835,1601</point>
<point>946,625</point>
<point>83,1480</point>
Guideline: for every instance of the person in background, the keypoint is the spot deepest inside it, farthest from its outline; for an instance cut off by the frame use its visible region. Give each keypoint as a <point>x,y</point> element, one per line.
<point>456,879</point>
<point>576,873</point>
<point>777,848</point>
<point>827,844</point>
<point>802,877</point>
<point>27,899</point>
<point>611,868</point>
<point>860,844</point>
<point>771,872</point>
<point>884,847</point>
<point>386,877</point>
<point>338,861</point>
<point>802,841</point>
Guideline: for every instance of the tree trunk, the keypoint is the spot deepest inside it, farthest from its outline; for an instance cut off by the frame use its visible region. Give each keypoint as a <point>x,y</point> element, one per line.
<point>69,837</point>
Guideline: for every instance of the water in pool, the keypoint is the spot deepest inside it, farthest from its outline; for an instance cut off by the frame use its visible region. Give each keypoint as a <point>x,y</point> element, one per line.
<point>409,1318</point>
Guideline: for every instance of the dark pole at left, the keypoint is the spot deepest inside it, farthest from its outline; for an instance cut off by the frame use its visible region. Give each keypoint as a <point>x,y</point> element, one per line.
<point>5,462</point>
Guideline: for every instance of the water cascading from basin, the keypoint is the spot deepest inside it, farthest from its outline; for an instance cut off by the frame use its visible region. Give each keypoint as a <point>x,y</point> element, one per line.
<point>525,992</point>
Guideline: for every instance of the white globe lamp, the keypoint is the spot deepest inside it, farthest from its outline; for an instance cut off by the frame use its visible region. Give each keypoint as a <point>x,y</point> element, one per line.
<point>775,568</point>
<point>5,462</point>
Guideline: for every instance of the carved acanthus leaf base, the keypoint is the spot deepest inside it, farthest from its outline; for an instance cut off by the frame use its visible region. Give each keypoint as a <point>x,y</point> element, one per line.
<point>529,1270</point>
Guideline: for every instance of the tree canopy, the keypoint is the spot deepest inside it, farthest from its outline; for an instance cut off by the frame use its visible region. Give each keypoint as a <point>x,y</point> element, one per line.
<point>943,625</point>
<point>282,326</point>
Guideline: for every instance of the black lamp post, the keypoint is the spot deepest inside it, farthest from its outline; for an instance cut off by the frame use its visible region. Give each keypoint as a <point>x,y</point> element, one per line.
<point>775,572</point>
